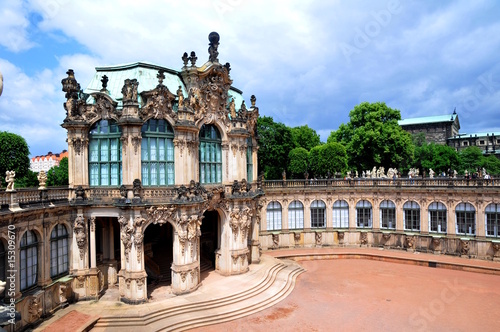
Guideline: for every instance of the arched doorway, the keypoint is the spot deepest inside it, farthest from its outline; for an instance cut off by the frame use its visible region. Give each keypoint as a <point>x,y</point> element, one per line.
<point>209,240</point>
<point>158,248</point>
<point>107,249</point>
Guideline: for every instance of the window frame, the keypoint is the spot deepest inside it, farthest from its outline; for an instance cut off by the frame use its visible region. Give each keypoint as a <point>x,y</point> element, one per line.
<point>436,212</point>
<point>151,169</point>
<point>340,210</point>
<point>98,137</point>
<point>25,249</point>
<point>210,137</point>
<point>59,242</point>
<point>363,209</point>
<point>318,210</point>
<point>274,216</point>
<point>296,215</point>
<point>496,222</point>
<point>465,216</point>
<point>387,210</point>
<point>411,216</point>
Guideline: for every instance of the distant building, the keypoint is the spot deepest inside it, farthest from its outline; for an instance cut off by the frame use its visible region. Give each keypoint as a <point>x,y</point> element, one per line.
<point>46,162</point>
<point>489,143</point>
<point>444,129</point>
<point>437,129</point>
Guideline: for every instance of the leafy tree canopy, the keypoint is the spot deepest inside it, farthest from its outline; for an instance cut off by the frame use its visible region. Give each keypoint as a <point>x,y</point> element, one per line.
<point>58,175</point>
<point>328,158</point>
<point>436,156</point>
<point>470,159</point>
<point>298,162</point>
<point>14,154</point>
<point>373,137</point>
<point>275,143</point>
<point>305,137</point>
<point>492,165</point>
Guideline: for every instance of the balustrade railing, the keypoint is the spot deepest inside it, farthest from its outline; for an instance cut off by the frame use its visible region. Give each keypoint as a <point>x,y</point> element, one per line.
<point>382,182</point>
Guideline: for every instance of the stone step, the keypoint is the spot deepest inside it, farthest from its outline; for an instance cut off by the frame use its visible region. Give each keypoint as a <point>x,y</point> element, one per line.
<point>277,283</point>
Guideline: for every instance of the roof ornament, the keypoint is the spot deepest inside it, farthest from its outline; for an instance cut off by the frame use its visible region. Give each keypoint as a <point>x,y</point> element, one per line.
<point>228,67</point>
<point>161,76</point>
<point>193,58</point>
<point>104,82</point>
<point>214,38</point>
<point>253,100</point>
<point>185,59</point>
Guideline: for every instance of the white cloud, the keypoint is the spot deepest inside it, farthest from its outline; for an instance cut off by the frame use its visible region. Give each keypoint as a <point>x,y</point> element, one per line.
<point>14,26</point>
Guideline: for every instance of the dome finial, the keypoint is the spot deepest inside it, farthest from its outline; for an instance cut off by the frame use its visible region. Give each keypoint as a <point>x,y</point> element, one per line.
<point>214,38</point>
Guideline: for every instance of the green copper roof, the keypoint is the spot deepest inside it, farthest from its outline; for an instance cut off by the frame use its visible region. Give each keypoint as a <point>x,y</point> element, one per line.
<point>428,119</point>
<point>145,73</point>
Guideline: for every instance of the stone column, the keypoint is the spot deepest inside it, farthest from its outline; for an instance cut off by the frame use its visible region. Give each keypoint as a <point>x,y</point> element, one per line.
<point>93,254</point>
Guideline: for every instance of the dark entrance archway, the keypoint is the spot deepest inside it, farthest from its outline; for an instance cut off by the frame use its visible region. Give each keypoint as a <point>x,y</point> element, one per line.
<point>158,248</point>
<point>209,240</point>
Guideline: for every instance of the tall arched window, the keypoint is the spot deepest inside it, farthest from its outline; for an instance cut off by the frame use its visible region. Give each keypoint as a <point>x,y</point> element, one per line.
<point>437,217</point>
<point>28,260</point>
<point>58,251</point>
<point>210,155</point>
<point>340,214</point>
<point>364,214</point>
<point>105,154</point>
<point>157,153</point>
<point>318,215</point>
<point>273,216</point>
<point>249,160</point>
<point>466,219</point>
<point>295,215</point>
<point>387,215</point>
<point>493,219</point>
<point>411,212</point>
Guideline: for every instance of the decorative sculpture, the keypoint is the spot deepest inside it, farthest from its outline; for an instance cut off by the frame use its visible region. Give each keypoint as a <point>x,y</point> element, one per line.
<point>214,38</point>
<point>181,96</point>
<point>431,173</point>
<point>9,180</point>
<point>42,179</point>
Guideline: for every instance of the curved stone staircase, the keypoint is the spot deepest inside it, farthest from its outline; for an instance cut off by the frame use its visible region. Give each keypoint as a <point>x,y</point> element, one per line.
<point>226,299</point>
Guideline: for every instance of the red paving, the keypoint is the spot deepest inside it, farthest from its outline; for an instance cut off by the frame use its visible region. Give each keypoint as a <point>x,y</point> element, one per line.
<point>367,295</point>
<point>71,322</point>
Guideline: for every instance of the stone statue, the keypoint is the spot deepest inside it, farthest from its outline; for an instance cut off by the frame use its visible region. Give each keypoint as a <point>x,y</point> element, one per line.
<point>431,173</point>
<point>181,96</point>
<point>1,83</point>
<point>232,109</point>
<point>357,174</point>
<point>9,180</point>
<point>348,175</point>
<point>42,179</point>
<point>363,174</point>
<point>374,172</point>
<point>455,173</point>
<point>284,175</point>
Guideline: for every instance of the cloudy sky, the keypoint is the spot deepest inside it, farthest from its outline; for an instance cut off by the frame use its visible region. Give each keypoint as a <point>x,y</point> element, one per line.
<point>307,62</point>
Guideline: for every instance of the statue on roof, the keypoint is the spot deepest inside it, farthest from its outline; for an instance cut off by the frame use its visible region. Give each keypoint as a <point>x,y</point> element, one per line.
<point>232,109</point>
<point>181,96</point>
<point>213,37</point>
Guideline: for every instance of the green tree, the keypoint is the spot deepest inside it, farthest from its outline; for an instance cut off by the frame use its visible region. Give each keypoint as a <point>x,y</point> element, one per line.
<point>305,137</point>
<point>58,175</point>
<point>492,165</point>
<point>14,155</point>
<point>373,137</point>
<point>328,158</point>
<point>436,156</point>
<point>297,166</point>
<point>471,158</point>
<point>30,180</point>
<point>275,143</point>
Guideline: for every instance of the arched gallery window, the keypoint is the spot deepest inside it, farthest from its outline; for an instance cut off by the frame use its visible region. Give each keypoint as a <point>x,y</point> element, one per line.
<point>295,215</point>
<point>318,215</point>
<point>157,153</point>
<point>249,160</point>
<point>493,219</point>
<point>340,214</point>
<point>387,215</point>
<point>28,260</point>
<point>210,155</point>
<point>411,215</point>
<point>105,154</point>
<point>437,217</point>
<point>364,214</point>
<point>273,216</point>
<point>466,219</point>
<point>58,251</point>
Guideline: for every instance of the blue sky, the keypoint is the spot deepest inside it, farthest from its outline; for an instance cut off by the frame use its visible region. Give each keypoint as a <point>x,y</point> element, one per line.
<point>307,62</point>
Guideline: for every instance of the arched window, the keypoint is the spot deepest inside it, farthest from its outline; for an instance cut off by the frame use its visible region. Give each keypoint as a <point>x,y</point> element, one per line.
<point>318,216</point>
<point>437,217</point>
<point>249,160</point>
<point>295,215</point>
<point>58,251</point>
<point>105,154</point>
<point>28,260</point>
<point>273,216</point>
<point>411,215</point>
<point>157,153</point>
<point>387,215</point>
<point>364,214</point>
<point>466,219</point>
<point>210,155</point>
<point>340,214</point>
<point>492,219</point>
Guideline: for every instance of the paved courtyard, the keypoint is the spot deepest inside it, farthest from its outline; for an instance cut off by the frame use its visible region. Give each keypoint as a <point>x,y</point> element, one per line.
<point>367,295</point>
